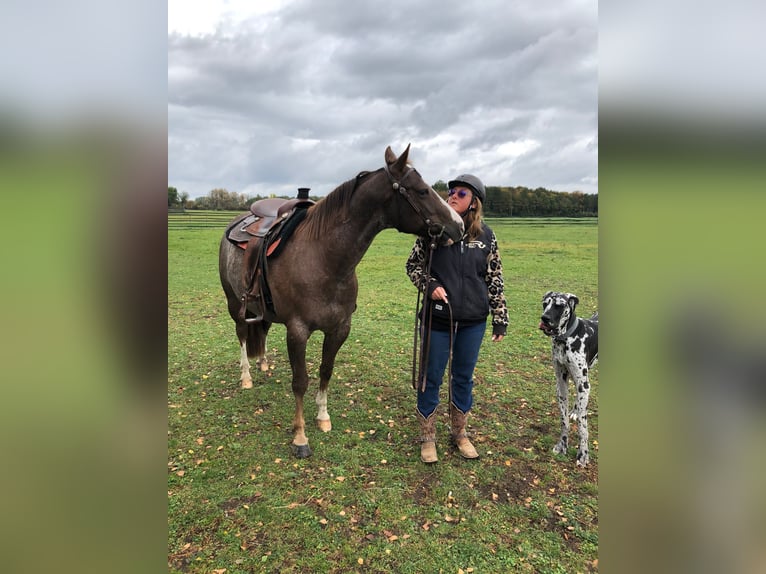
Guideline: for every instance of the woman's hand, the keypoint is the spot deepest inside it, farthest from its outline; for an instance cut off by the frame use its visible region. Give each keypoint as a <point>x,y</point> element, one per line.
<point>439,294</point>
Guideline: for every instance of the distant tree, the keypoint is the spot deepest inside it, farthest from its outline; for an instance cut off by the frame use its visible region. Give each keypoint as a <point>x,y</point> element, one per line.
<point>591,204</point>
<point>173,200</point>
<point>440,186</point>
<point>222,199</point>
<point>498,202</point>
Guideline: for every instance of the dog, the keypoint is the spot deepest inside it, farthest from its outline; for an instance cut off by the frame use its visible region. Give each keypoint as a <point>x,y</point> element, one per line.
<point>575,350</point>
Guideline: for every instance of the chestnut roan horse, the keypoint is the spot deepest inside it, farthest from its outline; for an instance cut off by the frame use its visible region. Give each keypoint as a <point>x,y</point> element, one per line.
<point>313,281</point>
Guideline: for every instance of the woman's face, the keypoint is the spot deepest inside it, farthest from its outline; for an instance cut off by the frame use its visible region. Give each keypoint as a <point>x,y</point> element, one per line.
<point>460,199</point>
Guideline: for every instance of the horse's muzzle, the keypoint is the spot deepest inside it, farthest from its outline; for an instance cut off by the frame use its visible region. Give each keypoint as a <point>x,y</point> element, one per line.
<point>446,235</point>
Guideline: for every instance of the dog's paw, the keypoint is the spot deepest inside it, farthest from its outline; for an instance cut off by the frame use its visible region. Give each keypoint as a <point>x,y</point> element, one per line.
<point>561,447</point>
<point>582,458</point>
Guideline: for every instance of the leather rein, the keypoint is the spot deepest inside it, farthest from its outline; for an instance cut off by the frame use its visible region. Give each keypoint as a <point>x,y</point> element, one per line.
<point>422,337</point>
<point>422,332</point>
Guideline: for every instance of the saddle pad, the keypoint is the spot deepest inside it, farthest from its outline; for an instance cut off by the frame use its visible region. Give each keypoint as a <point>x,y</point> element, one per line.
<point>284,233</point>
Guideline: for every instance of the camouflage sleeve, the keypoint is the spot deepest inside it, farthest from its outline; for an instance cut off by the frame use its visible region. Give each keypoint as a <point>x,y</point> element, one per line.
<point>494,279</point>
<point>416,264</point>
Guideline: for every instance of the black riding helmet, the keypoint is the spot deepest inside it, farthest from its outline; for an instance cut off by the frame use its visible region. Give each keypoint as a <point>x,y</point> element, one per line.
<point>472,182</point>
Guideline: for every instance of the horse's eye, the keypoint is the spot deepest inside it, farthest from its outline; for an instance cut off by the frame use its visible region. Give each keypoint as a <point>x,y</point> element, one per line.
<point>423,192</point>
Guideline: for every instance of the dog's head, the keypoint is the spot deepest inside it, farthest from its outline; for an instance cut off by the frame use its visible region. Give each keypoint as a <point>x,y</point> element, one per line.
<point>557,309</point>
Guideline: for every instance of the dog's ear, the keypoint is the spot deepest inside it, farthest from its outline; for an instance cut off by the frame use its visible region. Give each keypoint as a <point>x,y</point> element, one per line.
<point>573,300</point>
<point>548,294</point>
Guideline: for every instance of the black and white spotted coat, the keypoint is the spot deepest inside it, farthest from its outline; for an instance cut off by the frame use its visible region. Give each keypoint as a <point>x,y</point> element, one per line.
<point>574,350</point>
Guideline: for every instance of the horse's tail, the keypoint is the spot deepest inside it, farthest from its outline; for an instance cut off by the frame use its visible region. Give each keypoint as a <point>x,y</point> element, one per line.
<point>256,338</point>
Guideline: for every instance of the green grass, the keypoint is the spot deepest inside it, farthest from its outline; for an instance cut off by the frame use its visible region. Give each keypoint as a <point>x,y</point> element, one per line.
<point>237,499</point>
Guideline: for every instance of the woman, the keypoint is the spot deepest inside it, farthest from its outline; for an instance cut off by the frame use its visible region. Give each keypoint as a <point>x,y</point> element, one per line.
<point>466,278</point>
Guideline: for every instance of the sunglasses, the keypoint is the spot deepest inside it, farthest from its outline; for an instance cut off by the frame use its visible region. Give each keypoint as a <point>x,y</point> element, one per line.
<point>461,193</point>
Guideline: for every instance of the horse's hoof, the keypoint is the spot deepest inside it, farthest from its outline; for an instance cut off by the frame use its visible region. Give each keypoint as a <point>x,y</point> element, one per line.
<point>302,450</point>
<point>264,365</point>
<point>247,384</point>
<point>324,425</point>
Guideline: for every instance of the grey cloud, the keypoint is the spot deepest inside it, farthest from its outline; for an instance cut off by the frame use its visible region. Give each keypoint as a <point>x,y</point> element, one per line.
<point>311,95</point>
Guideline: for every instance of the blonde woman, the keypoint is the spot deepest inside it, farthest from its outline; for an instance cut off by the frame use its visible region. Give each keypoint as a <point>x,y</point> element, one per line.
<point>465,287</point>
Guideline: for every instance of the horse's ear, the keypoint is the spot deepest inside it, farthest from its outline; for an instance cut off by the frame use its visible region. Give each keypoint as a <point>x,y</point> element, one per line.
<point>390,156</point>
<point>401,163</point>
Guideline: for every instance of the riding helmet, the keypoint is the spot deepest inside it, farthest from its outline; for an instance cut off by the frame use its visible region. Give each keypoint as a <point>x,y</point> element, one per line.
<point>472,182</point>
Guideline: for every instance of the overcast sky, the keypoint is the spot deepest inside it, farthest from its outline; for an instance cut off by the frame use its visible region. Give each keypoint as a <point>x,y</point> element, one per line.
<point>268,96</point>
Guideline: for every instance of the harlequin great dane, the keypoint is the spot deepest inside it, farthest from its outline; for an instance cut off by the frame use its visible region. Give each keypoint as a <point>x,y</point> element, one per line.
<point>575,349</point>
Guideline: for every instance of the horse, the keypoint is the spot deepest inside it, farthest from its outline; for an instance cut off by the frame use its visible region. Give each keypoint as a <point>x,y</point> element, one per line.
<point>313,283</point>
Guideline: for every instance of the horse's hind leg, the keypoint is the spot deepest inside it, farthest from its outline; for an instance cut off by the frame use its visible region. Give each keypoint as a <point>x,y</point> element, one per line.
<point>252,343</point>
<point>246,379</point>
<point>296,350</point>
<point>330,347</point>
<point>257,341</point>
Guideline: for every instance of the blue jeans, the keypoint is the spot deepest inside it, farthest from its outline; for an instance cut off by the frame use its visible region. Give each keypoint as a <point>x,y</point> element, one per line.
<point>465,354</point>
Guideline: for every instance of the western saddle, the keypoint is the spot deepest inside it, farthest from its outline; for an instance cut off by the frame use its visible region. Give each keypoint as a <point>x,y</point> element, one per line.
<point>262,233</point>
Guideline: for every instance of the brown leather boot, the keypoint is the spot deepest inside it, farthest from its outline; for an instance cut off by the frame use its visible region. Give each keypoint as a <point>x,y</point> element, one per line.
<point>459,437</point>
<point>428,438</point>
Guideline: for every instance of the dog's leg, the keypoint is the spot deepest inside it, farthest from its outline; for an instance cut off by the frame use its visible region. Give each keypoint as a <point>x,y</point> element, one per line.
<point>562,392</point>
<point>583,393</point>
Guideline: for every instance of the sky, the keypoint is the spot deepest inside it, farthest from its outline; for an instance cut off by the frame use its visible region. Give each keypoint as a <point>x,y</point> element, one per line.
<point>265,97</point>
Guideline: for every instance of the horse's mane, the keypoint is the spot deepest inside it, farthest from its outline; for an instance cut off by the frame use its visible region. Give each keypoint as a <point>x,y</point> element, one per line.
<point>331,209</point>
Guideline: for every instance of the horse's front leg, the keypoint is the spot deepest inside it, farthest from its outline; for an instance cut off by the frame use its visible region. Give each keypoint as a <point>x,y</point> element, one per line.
<point>296,350</point>
<point>332,344</point>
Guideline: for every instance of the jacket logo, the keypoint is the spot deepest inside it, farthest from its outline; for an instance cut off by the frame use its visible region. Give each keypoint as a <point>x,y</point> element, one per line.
<point>474,244</point>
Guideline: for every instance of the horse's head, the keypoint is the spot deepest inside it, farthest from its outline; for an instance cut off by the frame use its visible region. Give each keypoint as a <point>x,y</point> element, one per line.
<point>419,209</point>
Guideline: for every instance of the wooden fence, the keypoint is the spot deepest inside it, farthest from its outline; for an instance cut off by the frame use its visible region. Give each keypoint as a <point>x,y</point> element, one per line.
<point>200,219</point>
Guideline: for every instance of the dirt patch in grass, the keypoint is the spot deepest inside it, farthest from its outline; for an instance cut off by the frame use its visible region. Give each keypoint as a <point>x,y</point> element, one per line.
<point>422,493</point>
<point>235,503</point>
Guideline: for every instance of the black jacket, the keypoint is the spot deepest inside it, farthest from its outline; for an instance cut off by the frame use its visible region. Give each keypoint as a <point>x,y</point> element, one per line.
<point>471,273</point>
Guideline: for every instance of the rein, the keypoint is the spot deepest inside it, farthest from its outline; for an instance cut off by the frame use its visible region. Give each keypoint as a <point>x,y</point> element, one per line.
<point>422,331</point>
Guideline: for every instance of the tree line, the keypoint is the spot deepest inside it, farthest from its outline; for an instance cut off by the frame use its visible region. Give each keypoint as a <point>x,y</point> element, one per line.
<point>501,201</point>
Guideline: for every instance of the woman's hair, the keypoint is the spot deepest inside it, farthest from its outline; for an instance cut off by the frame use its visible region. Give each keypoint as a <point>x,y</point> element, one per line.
<point>473,221</point>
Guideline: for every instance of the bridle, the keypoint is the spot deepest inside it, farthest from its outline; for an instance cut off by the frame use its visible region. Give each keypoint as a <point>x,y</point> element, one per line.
<point>435,230</point>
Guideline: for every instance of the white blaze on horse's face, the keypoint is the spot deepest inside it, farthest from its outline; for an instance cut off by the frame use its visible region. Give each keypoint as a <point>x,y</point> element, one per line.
<point>454,214</point>
<point>456,219</point>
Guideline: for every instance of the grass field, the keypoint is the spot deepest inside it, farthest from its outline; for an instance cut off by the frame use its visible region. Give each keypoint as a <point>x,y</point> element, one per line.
<point>239,502</point>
